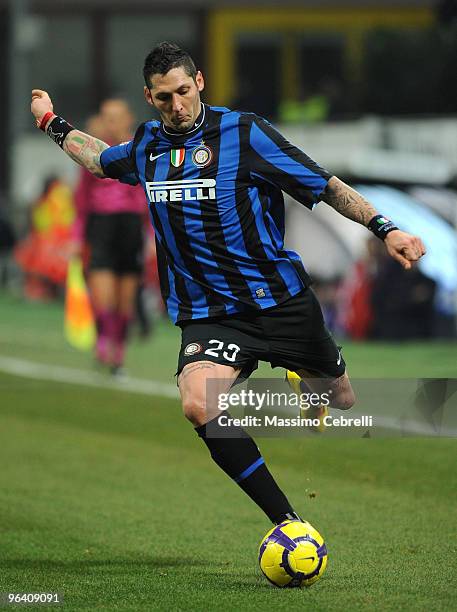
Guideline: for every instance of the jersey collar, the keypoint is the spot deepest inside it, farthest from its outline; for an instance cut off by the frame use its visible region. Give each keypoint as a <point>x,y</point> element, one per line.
<point>197,125</point>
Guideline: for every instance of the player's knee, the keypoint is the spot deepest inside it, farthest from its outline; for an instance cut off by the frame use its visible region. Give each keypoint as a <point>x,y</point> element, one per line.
<point>344,400</point>
<point>194,409</point>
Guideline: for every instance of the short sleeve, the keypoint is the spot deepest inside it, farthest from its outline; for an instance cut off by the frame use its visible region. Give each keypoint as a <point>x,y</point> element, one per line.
<point>277,160</point>
<point>118,163</point>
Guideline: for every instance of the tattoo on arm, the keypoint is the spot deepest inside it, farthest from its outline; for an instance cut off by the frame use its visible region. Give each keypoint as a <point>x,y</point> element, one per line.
<point>348,202</point>
<point>85,150</point>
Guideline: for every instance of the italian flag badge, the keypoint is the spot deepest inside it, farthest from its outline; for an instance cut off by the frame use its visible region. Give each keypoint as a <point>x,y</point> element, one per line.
<point>177,157</point>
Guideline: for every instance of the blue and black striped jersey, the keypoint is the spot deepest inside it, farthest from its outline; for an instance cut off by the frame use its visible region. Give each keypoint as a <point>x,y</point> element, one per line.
<point>216,204</point>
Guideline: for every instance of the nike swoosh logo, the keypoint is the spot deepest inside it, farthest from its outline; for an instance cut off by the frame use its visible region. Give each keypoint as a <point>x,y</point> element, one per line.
<point>154,157</point>
<point>338,361</point>
<point>304,558</point>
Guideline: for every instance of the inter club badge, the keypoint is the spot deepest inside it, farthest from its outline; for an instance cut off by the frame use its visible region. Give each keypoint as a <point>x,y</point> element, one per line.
<point>192,349</point>
<point>202,156</point>
<point>177,157</point>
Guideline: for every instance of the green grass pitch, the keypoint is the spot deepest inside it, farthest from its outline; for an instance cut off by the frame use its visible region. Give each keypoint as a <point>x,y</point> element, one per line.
<point>109,497</point>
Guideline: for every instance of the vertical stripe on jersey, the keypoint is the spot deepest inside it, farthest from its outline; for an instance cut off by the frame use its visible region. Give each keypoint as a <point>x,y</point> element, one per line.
<point>204,303</point>
<point>254,235</point>
<point>179,269</point>
<point>162,269</point>
<point>232,281</point>
<point>259,215</point>
<point>174,305</point>
<point>229,164</point>
<point>274,216</point>
<point>274,224</point>
<point>192,217</point>
<point>180,295</point>
<point>166,278</point>
<point>277,239</point>
<point>161,258</point>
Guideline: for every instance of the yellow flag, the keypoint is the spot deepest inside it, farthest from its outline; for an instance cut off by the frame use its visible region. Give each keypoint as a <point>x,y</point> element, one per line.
<point>79,319</point>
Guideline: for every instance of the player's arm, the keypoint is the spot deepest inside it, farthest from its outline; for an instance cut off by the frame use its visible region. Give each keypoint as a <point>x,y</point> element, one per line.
<point>82,148</point>
<point>275,159</point>
<point>348,202</point>
<point>403,247</point>
<point>85,150</point>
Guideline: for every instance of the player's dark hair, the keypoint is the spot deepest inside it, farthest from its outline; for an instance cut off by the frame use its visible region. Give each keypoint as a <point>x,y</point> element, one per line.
<point>163,58</point>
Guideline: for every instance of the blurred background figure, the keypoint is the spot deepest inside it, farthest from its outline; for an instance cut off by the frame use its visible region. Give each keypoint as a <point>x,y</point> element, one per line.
<point>110,218</point>
<point>402,304</point>
<point>354,303</point>
<point>381,301</point>
<point>7,242</point>
<point>43,254</point>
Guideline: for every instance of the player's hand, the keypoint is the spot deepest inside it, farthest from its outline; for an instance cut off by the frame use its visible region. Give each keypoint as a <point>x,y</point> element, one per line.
<point>404,248</point>
<point>41,104</point>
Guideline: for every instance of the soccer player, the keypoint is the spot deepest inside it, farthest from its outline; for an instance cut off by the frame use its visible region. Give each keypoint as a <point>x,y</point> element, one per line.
<point>110,218</point>
<point>213,180</point>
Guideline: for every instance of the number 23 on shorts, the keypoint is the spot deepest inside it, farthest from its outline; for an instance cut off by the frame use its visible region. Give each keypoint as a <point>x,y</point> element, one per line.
<point>229,353</point>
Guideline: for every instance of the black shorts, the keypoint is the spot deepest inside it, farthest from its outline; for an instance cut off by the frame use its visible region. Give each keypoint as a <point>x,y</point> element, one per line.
<point>292,335</point>
<point>116,242</point>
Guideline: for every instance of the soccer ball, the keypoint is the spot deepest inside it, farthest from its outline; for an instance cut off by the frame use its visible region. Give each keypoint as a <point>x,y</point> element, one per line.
<point>293,554</point>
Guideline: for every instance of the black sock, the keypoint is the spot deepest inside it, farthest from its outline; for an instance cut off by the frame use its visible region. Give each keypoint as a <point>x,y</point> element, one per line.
<point>234,451</point>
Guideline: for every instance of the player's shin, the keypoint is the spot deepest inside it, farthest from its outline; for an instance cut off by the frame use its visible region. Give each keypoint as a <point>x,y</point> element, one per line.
<point>122,323</point>
<point>235,452</point>
<point>104,323</point>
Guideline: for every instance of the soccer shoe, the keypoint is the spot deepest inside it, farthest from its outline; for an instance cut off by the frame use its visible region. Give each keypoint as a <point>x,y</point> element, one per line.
<point>288,516</point>
<point>313,412</point>
<point>118,372</point>
<point>294,380</point>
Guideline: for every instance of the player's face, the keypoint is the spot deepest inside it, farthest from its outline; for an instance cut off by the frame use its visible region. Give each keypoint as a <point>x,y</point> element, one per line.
<point>176,96</point>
